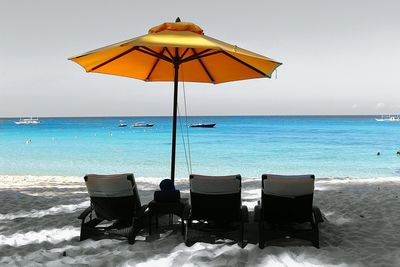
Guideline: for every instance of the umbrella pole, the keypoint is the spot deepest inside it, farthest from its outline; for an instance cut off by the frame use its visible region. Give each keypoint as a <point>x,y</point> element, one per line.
<point>176,67</point>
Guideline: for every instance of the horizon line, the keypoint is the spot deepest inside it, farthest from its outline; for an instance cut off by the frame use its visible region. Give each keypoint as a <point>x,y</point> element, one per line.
<point>170,116</point>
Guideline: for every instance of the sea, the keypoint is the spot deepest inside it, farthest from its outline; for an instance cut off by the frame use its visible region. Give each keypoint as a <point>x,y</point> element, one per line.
<point>326,146</point>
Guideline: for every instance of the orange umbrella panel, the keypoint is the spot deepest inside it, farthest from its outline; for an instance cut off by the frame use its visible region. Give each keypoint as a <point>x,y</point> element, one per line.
<point>152,57</point>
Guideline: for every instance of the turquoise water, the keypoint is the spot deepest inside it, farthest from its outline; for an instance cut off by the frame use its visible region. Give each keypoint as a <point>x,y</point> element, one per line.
<point>249,145</point>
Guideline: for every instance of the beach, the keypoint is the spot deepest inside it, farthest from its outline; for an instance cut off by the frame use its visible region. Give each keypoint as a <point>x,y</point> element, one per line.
<point>39,227</point>
<point>180,89</point>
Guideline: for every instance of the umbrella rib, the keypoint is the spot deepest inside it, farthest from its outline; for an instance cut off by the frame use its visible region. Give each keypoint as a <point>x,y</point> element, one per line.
<point>246,64</point>
<point>204,66</point>
<point>154,66</point>
<point>113,58</point>
<point>169,52</point>
<point>153,53</point>
<point>184,52</point>
<point>192,57</point>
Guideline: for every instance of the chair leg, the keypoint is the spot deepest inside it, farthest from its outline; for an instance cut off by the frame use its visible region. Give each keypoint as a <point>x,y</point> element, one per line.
<point>188,243</point>
<point>149,224</point>
<point>244,218</point>
<point>315,227</point>
<point>261,240</point>
<point>182,226</point>
<point>315,241</point>
<point>84,232</point>
<point>132,235</point>
<point>241,235</point>
<point>88,228</point>
<point>137,225</point>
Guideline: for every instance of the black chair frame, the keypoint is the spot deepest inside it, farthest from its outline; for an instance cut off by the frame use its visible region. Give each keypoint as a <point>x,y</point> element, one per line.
<point>279,217</point>
<point>129,217</point>
<point>216,215</point>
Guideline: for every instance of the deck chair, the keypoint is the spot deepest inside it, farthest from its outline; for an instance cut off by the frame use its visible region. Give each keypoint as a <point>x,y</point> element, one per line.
<point>216,207</point>
<point>115,210</point>
<point>287,210</point>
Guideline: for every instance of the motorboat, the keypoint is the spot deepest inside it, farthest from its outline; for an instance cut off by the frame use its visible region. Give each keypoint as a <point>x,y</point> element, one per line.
<point>122,124</point>
<point>202,125</point>
<point>142,124</point>
<point>389,118</point>
<point>28,121</point>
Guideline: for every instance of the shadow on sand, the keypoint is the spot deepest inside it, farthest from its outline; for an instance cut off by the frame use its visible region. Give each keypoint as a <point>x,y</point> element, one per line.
<point>358,230</point>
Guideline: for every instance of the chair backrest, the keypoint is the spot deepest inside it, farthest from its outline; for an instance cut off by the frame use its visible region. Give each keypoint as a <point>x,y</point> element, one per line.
<point>113,196</point>
<point>287,197</point>
<point>215,198</point>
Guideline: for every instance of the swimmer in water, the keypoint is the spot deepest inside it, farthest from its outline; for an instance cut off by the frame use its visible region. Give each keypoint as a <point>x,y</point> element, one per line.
<point>378,154</point>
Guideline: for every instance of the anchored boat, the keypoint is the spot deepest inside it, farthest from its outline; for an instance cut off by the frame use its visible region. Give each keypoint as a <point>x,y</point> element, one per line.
<point>28,121</point>
<point>203,125</point>
<point>389,118</point>
<point>142,124</point>
<point>122,124</point>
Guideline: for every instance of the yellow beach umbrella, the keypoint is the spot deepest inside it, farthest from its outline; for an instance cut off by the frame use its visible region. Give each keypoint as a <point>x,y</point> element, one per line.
<point>158,55</point>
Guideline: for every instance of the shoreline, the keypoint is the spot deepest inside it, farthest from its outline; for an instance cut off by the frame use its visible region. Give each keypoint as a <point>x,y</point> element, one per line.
<point>180,179</point>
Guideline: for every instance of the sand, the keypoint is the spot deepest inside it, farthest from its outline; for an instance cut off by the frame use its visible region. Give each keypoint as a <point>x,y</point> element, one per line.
<point>39,227</point>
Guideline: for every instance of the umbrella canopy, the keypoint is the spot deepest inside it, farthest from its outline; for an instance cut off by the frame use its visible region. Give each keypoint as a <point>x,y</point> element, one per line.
<point>158,55</point>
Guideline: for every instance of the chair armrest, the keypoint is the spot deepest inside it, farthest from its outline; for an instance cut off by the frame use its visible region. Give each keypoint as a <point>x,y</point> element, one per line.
<point>151,204</point>
<point>186,212</point>
<point>245,213</point>
<point>142,211</point>
<point>257,213</point>
<point>85,213</point>
<point>317,214</point>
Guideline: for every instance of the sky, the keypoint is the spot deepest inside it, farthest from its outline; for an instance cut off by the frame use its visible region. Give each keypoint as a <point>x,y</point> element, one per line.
<point>339,57</point>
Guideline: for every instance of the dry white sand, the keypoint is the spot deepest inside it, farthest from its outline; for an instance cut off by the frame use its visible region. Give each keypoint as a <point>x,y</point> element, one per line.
<point>39,226</point>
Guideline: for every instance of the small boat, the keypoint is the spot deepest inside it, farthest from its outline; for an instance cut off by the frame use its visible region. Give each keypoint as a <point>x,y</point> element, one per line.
<point>389,118</point>
<point>202,125</point>
<point>142,124</point>
<point>122,124</point>
<point>29,121</point>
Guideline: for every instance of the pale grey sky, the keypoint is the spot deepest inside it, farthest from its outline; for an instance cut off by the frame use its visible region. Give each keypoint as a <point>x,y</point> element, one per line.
<point>339,57</point>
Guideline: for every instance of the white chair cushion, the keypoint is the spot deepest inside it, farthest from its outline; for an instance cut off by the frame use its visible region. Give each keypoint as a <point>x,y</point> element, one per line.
<point>215,185</point>
<point>116,185</point>
<point>288,185</point>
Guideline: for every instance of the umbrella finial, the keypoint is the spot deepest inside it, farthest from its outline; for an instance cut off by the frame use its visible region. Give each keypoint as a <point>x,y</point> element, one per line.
<point>178,19</point>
